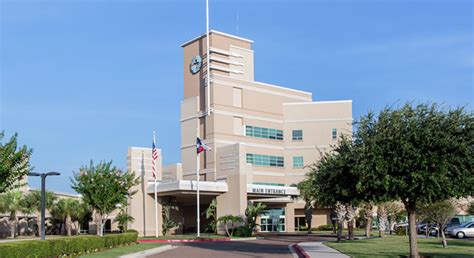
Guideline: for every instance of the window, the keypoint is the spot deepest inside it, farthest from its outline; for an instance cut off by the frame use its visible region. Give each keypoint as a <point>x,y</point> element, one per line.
<point>297,135</point>
<point>261,132</point>
<point>265,160</point>
<point>238,125</point>
<point>334,133</point>
<point>298,162</point>
<point>237,97</point>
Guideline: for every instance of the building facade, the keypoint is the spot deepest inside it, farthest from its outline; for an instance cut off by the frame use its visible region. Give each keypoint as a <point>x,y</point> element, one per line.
<point>262,136</point>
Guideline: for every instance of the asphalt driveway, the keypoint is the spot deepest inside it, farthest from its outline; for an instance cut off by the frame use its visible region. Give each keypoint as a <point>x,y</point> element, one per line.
<point>270,246</point>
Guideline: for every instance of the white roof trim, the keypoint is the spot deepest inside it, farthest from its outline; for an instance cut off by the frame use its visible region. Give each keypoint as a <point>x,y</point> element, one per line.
<point>319,102</point>
<point>225,52</point>
<point>266,84</point>
<point>225,69</point>
<point>321,120</point>
<point>216,32</point>
<point>259,89</point>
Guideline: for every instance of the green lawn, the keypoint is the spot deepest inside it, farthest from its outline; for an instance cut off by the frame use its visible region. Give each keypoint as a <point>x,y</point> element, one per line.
<point>115,252</point>
<point>396,246</point>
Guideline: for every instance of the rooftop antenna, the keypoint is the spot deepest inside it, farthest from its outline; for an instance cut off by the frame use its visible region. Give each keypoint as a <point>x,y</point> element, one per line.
<point>237,22</point>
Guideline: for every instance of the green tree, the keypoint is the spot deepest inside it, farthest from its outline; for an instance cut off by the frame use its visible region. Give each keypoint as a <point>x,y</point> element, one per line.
<point>123,218</point>
<point>14,163</point>
<point>334,180</point>
<point>13,202</point>
<point>103,187</point>
<point>168,204</point>
<point>307,195</point>
<point>251,212</point>
<point>211,214</point>
<point>230,222</point>
<point>33,203</point>
<point>416,154</point>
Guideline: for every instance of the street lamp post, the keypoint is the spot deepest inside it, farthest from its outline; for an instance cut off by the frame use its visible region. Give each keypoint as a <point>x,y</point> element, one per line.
<point>43,198</point>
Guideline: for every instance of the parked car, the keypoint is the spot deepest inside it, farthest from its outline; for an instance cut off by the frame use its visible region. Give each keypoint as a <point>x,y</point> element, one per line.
<point>461,231</point>
<point>433,229</point>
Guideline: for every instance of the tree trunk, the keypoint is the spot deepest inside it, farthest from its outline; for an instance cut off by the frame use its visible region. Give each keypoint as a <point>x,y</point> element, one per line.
<point>308,213</point>
<point>12,227</point>
<point>382,216</point>
<point>350,216</point>
<point>350,229</point>
<point>341,215</point>
<point>339,231</point>
<point>410,207</point>
<point>368,219</point>
<point>38,222</point>
<point>68,225</point>
<point>226,229</point>
<point>99,224</point>
<point>443,237</point>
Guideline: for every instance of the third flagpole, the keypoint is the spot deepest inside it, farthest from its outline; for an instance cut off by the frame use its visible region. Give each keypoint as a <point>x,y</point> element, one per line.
<point>198,221</point>
<point>156,199</point>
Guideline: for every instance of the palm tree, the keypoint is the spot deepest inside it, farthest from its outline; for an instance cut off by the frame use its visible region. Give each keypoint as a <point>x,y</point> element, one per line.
<point>69,207</point>
<point>252,212</point>
<point>232,220</point>
<point>33,203</point>
<point>13,202</point>
<point>122,219</point>
<point>211,213</point>
<point>307,194</point>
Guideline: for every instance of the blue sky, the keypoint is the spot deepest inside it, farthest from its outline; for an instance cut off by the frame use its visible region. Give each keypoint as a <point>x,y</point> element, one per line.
<point>86,79</point>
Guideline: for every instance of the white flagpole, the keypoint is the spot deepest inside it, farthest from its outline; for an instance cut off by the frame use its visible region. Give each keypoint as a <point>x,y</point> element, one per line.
<point>156,199</point>
<point>208,111</point>
<point>198,221</point>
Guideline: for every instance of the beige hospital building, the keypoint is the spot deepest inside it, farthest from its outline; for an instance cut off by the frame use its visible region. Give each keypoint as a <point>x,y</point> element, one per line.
<point>262,138</point>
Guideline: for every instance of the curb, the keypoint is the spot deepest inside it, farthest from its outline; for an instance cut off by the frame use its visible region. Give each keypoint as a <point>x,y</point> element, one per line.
<point>148,252</point>
<point>244,239</point>
<point>300,251</point>
<point>184,240</point>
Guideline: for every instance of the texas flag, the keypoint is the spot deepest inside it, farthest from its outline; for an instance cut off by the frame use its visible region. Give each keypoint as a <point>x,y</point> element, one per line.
<point>200,146</point>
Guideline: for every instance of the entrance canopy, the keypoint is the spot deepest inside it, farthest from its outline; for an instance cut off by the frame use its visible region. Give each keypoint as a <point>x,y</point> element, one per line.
<point>183,187</point>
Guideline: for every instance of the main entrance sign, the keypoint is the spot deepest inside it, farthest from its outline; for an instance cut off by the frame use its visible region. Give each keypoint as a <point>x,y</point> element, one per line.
<point>268,190</point>
<point>272,190</point>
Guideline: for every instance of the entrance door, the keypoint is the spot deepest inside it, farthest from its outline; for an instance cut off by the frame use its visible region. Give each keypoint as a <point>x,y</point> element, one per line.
<point>273,220</point>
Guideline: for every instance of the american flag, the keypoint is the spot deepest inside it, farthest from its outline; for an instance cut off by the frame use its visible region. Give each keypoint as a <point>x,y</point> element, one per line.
<point>154,157</point>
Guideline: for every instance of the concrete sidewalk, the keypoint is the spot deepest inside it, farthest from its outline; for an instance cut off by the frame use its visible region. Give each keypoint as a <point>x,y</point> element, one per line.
<point>318,249</point>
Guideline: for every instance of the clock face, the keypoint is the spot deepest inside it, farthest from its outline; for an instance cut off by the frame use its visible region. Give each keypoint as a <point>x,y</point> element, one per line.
<point>196,64</point>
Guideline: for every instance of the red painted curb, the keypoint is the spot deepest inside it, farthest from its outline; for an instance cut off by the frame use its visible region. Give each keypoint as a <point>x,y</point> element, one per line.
<point>300,251</point>
<point>183,240</point>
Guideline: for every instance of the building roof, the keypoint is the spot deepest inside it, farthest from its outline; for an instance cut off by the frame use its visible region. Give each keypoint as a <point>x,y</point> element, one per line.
<point>216,32</point>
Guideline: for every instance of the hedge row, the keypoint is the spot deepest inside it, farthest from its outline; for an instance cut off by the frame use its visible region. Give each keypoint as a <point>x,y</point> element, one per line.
<point>70,246</point>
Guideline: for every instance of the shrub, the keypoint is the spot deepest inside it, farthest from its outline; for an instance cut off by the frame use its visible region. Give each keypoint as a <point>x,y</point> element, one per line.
<point>325,227</point>
<point>400,231</point>
<point>68,246</point>
<point>303,228</point>
<point>242,231</point>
